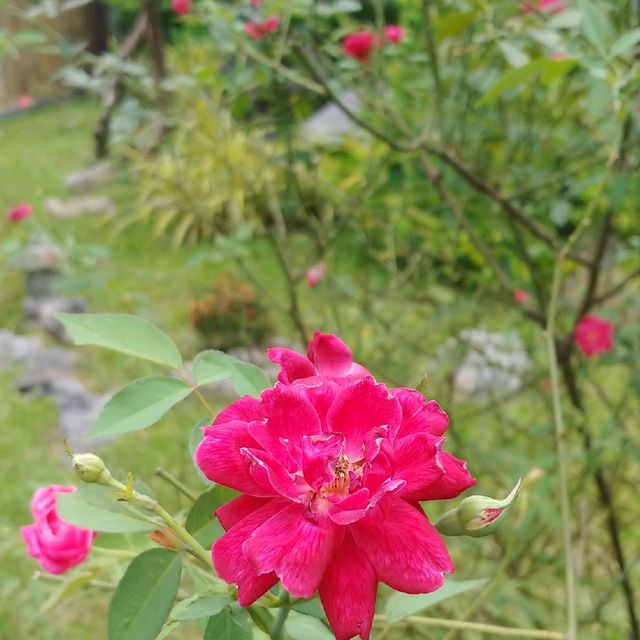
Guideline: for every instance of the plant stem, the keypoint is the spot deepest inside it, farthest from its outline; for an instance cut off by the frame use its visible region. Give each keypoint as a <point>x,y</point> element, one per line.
<point>172,480</point>
<point>180,532</point>
<point>561,448</point>
<point>277,630</point>
<point>506,632</point>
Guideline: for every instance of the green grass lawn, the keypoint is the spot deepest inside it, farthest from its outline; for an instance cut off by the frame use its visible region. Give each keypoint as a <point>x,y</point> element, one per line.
<point>130,271</point>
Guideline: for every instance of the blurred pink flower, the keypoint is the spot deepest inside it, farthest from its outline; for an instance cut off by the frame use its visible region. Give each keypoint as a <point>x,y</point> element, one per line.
<point>559,55</point>
<point>315,273</point>
<point>258,30</point>
<point>56,545</point>
<point>255,3</point>
<point>181,7</point>
<point>331,467</point>
<point>25,101</point>
<point>552,6</point>
<point>360,45</point>
<point>394,33</point>
<point>20,212</point>
<point>593,335</point>
<point>520,295</point>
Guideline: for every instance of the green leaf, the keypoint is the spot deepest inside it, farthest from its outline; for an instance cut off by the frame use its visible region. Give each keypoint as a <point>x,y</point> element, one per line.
<point>401,605</point>
<point>595,25</point>
<point>453,24</point>
<point>122,332</point>
<point>229,624</point>
<point>514,55</point>
<point>201,521</point>
<point>139,405</point>
<point>200,606</point>
<point>548,69</point>
<point>93,506</point>
<point>625,42</point>
<point>213,366</point>
<point>301,627</point>
<point>144,597</point>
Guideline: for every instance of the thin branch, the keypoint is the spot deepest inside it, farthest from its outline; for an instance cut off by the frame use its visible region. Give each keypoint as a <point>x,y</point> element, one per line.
<point>495,630</point>
<point>615,290</point>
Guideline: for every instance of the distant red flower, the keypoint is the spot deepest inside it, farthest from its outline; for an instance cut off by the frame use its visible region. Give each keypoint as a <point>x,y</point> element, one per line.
<point>593,335</point>
<point>25,101</point>
<point>255,3</point>
<point>360,45</point>
<point>181,7</point>
<point>19,212</point>
<point>552,6</point>
<point>520,295</point>
<point>394,33</point>
<point>258,30</point>
<point>315,273</point>
<point>559,55</point>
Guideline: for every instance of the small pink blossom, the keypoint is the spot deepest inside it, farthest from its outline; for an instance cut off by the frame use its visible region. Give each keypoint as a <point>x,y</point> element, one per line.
<point>551,6</point>
<point>520,295</point>
<point>25,101</point>
<point>255,3</point>
<point>394,33</point>
<point>315,273</point>
<point>56,545</point>
<point>20,212</point>
<point>593,335</point>
<point>258,30</point>
<point>181,7</point>
<point>559,55</point>
<point>332,466</point>
<point>361,45</point>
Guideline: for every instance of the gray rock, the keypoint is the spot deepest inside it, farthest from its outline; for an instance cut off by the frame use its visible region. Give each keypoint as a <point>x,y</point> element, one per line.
<point>330,124</point>
<point>490,365</point>
<point>78,408</point>
<point>16,350</point>
<point>88,179</point>
<point>80,205</point>
<point>36,257</point>
<point>43,310</point>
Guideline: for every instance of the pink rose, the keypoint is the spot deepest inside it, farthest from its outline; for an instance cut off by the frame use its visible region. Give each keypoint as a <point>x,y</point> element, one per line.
<point>361,45</point>
<point>258,30</point>
<point>315,273</point>
<point>181,7</point>
<point>332,469</point>
<point>520,295</point>
<point>20,212</point>
<point>56,545</point>
<point>394,33</point>
<point>25,101</point>
<point>593,335</point>
<point>551,6</point>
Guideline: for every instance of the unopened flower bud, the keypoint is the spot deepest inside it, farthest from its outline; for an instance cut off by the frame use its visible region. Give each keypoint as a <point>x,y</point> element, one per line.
<point>477,516</point>
<point>90,468</point>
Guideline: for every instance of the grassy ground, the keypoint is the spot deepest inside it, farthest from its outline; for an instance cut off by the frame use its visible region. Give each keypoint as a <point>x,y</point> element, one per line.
<point>130,271</point>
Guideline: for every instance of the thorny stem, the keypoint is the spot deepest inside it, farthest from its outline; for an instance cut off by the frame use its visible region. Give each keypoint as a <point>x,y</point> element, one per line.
<point>180,532</point>
<point>495,630</point>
